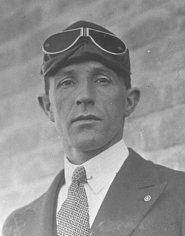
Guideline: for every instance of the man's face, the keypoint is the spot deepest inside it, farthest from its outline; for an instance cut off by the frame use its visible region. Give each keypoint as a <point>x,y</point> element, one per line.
<point>89,102</point>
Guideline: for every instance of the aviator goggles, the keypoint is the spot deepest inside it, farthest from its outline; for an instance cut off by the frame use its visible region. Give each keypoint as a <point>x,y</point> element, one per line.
<point>63,41</point>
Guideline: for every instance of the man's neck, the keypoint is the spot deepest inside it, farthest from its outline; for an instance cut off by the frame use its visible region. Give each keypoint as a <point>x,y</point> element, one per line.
<point>78,157</point>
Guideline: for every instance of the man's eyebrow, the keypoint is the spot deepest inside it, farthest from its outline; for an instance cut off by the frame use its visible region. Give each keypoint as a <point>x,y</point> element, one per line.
<point>65,72</point>
<point>96,71</point>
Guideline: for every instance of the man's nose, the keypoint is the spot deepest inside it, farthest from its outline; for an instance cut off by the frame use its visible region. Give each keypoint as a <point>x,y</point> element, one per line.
<point>85,94</point>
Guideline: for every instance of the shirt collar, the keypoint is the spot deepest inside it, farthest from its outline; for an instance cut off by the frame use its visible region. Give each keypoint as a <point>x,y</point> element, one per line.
<point>101,168</point>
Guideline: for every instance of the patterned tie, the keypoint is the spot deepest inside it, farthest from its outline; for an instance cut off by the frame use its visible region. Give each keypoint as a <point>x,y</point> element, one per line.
<point>73,216</point>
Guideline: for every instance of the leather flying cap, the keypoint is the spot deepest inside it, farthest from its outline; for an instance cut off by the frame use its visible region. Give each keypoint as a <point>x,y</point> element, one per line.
<point>85,50</point>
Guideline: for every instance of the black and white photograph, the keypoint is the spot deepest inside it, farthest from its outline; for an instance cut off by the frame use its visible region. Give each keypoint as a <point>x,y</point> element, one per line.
<point>92,118</point>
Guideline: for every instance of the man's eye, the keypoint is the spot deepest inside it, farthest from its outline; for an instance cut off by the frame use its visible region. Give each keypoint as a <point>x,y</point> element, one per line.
<point>103,81</point>
<point>65,83</point>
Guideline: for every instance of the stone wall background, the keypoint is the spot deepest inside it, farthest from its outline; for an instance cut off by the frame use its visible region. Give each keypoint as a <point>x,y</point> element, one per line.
<point>30,149</point>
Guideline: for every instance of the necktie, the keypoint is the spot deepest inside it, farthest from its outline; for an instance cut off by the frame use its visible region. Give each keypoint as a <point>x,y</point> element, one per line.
<point>73,216</point>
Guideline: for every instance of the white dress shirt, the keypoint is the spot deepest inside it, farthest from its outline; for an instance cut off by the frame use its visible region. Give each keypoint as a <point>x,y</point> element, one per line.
<point>100,171</point>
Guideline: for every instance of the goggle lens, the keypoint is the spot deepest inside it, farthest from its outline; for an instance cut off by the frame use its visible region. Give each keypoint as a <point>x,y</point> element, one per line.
<point>108,42</point>
<point>60,41</point>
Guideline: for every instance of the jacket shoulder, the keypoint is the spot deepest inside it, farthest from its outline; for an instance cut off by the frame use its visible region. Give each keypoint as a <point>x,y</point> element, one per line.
<point>9,226</point>
<point>174,178</point>
<point>31,211</point>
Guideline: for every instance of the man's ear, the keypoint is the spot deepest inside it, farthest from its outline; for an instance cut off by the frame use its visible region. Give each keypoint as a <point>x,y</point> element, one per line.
<point>133,96</point>
<point>45,104</point>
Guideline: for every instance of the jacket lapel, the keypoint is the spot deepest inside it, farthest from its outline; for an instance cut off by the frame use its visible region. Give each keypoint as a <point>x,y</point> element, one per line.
<point>132,193</point>
<point>47,211</point>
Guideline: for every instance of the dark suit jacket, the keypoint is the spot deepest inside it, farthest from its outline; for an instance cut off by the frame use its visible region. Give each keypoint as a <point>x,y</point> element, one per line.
<point>125,210</point>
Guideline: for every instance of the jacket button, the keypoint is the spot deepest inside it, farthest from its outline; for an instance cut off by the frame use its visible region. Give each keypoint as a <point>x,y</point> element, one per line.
<point>147,198</point>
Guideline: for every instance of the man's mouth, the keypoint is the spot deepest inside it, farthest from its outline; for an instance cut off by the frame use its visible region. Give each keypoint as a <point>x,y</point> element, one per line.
<point>86,118</point>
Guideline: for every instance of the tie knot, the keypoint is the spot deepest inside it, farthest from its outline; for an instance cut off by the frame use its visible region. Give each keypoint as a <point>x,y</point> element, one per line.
<point>79,175</point>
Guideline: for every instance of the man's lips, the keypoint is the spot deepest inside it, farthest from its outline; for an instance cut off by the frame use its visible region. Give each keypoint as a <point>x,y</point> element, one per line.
<point>85,117</point>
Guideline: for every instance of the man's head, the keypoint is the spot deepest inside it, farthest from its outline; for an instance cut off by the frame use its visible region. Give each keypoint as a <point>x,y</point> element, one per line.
<point>73,45</point>
<point>88,90</point>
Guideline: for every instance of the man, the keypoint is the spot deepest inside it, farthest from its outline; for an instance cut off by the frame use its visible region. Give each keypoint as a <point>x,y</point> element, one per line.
<point>105,188</point>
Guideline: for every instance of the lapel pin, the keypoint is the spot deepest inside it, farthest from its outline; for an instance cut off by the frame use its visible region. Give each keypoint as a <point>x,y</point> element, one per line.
<point>147,198</point>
